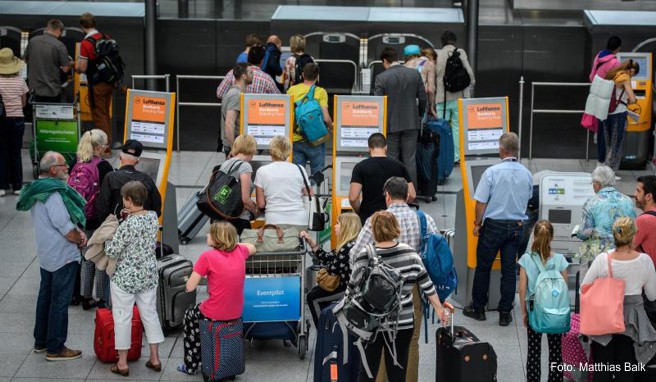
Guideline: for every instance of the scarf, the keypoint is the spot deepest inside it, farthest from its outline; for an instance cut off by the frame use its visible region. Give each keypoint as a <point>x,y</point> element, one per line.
<point>41,189</point>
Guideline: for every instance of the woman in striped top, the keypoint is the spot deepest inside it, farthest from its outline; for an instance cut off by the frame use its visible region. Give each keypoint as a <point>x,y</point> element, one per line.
<point>386,231</point>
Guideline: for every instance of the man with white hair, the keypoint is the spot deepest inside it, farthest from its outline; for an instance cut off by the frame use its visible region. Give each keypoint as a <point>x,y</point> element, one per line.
<point>109,199</point>
<point>501,198</point>
<point>599,214</point>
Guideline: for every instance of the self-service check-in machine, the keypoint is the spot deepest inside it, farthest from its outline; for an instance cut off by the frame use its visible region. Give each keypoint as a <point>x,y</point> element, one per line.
<point>356,119</point>
<point>635,150</point>
<point>482,122</point>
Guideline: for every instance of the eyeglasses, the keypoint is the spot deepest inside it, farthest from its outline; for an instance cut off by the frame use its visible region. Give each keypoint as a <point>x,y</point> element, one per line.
<point>60,165</point>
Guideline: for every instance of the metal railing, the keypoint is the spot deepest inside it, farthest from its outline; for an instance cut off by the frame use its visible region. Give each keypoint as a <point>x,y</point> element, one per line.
<point>550,111</point>
<point>196,104</point>
<point>356,83</point>
<point>165,77</point>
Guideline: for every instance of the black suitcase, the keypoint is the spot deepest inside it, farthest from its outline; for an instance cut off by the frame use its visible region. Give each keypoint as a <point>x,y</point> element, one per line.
<point>330,352</point>
<point>172,297</point>
<point>462,357</point>
<point>428,150</point>
<point>190,219</point>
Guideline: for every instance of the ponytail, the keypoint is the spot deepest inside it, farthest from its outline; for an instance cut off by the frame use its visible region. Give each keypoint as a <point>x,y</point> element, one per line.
<point>89,141</point>
<point>542,236</point>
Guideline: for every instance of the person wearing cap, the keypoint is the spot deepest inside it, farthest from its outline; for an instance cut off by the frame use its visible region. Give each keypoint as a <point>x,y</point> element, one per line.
<point>109,199</point>
<point>415,60</point>
<point>13,91</point>
<point>47,58</point>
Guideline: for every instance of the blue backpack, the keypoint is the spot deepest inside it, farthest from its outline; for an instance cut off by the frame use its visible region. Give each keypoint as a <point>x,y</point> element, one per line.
<point>309,118</point>
<point>548,308</point>
<point>438,260</point>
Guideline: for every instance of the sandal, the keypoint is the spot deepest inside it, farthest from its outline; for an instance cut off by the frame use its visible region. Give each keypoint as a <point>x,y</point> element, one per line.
<point>124,373</point>
<point>157,367</point>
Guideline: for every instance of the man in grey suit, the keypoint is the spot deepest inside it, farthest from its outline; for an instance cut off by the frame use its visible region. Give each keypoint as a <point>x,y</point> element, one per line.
<point>406,102</point>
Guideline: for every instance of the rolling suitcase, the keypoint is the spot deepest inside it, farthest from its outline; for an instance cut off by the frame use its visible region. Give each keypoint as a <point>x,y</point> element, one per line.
<point>222,349</point>
<point>103,339</point>
<point>446,150</point>
<point>172,298</point>
<point>462,357</point>
<point>330,351</point>
<point>575,348</point>
<point>190,219</point>
<point>428,149</point>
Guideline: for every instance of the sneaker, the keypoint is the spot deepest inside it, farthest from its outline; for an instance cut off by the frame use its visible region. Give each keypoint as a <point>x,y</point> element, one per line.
<point>65,355</point>
<point>505,318</point>
<point>3,192</point>
<point>39,350</point>
<point>476,314</point>
<point>16,192</point>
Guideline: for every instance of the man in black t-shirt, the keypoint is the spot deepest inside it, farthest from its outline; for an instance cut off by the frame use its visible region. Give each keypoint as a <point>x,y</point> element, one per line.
<point>370,175</point>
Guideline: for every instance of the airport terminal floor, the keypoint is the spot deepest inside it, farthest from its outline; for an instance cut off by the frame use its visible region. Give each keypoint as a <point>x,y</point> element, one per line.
<point>265,361</point>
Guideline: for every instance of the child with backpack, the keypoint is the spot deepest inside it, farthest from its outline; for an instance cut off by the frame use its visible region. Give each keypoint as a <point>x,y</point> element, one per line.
<point>542,276</point>
<point>85,177</point>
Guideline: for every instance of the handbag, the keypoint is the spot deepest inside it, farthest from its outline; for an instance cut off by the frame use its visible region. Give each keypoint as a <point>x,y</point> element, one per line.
<point>590,122</point>
<point>317,217</point>
<point>602,305</point>
<point>222,199</point>
<point>326,281</point>
<point>272,238</point>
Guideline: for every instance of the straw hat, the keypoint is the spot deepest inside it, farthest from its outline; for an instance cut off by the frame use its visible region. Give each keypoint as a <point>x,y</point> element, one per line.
<point>8,63</point>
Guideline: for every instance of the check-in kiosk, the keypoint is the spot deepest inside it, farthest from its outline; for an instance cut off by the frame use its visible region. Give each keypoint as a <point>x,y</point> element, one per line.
<point>482,122</point>
<point>562,195</point>
<point>356,119</point>
<point>635,150</point>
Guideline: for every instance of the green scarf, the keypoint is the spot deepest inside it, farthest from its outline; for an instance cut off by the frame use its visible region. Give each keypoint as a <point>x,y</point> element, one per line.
<point>41,189</point>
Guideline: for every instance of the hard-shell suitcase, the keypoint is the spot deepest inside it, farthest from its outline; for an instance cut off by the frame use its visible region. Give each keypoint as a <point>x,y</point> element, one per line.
<point>190,219</point>
<point>332,348</point>
<point>103,339</point>
<point>172,298</point>
<point>575,348</point>
<point>428,149</point>
<point>445,155</point>
<point>462,357</point>
<point>222,349</point>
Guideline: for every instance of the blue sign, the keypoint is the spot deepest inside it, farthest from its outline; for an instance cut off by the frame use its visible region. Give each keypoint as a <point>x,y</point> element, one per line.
<point>272,299</point>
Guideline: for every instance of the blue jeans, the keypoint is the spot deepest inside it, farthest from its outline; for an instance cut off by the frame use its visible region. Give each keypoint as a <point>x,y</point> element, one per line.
<point>495,236</point>
<point>55,293</point>
<point>614,129</point>
<point>303,153</point>
<point>11,164</point>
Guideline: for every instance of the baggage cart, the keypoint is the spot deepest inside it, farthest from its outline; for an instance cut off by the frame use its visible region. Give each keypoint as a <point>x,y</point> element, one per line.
<point>274,298</point>
<point>55,127</point>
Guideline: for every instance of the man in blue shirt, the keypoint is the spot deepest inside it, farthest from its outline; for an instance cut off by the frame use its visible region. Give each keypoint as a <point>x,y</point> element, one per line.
<point>501,199</point>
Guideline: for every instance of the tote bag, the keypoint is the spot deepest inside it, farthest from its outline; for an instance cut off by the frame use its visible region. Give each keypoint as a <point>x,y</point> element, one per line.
<point>602,305</point>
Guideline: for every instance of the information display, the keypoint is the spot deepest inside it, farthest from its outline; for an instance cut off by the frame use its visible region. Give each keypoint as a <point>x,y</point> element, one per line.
<point>483,121</point>
<point>149,117</point>
<point>266,115</point>
<point>60,136</point>
<point>357,118</point>
<point>272,299</point>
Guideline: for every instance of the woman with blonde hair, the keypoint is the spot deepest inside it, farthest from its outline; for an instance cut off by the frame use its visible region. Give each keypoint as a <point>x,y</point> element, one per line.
<point>224,265</point>
<point>528,274</point>
<point>241,154</point>
<point>335,263</point>
<point>280,188</point>
<point>637,344</point>
<point>86,176</point>
<point>291,74</point>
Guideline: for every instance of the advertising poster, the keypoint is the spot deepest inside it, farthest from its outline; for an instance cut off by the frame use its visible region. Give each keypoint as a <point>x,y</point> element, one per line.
<point>60,136</point>
<point>265,119</point>
<point>148,123</point>
<point>359,119</point>
<point>272,299</point>
<point>485,125</point>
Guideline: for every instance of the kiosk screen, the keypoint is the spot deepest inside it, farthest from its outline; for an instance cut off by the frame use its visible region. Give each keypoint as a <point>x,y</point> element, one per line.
<point>643,75</point>
<point>150,166</point>
<point>477,174</point>
<point>560,216</point>
<point>345,171</point>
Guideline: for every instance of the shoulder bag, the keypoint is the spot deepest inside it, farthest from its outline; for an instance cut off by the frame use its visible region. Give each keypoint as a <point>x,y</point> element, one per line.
<point>326,281</point>
<point>222,199</point>
<point>602,305</point>
<point>318,217</point>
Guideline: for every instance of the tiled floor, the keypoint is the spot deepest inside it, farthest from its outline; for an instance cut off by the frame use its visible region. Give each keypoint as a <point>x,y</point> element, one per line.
<point>270,361</point>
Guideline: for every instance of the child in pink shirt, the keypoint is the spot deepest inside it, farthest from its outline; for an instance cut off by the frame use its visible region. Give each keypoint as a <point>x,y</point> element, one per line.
<point>225,268</point>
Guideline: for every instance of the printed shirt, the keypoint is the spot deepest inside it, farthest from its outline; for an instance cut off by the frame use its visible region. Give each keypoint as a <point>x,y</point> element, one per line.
<point>262,84</point>
<point>408,222</point>
<point>599,214</point>
<point>133,247</point>
<point>11,90</point>
<point>299,91</point>
<point>337,263</point>
<point>505,188</point>
<point>555,262</point>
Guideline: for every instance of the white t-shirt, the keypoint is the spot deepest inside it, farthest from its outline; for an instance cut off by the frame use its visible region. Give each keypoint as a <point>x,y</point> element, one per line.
<point>282,184</point>
<point>637,274</point>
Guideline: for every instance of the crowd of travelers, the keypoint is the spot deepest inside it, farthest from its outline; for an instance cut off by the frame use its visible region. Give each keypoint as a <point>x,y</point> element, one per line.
<point>121,215</point>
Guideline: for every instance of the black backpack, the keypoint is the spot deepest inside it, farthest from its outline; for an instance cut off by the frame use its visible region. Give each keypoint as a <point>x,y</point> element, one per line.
<point>108,65</point>
<point>301,61</point>
<point>222,199</point>
<point>456,77</point>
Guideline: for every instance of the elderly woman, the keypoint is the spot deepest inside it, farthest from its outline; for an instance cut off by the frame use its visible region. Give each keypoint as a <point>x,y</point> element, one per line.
<point>280,188</point>
<point>599,214</point>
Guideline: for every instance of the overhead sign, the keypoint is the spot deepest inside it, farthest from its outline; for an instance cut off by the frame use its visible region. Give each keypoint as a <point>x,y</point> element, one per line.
<point>265,116</point>
<point>357,118</point>
<point>150,117</point>
<point>484,120</point>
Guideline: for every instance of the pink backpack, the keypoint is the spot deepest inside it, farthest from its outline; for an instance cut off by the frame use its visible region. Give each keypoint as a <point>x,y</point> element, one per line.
<point>602,305</point>
<point>85,179</point>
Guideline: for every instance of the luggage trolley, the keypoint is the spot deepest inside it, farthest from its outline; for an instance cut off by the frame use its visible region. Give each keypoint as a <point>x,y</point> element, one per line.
<point>274,298</point>
<point>55,127</point>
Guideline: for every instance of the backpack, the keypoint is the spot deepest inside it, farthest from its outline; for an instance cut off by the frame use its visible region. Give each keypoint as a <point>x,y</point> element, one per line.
<point>309,118</point>
<point>85,179</point>
<point>108,65</point>
<point>549,308</point>
<point>615,101</point>
<point>438,260</point>
<point>456,77</point>
<point>222,199</point>
<point>301,61</point>
<point>374,305</point>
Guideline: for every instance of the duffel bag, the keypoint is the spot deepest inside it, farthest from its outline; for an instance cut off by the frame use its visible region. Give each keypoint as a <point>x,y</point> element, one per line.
<point>272,238</point>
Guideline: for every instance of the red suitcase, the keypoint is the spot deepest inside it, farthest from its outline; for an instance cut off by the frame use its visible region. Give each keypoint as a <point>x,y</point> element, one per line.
<point>103,341</point>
